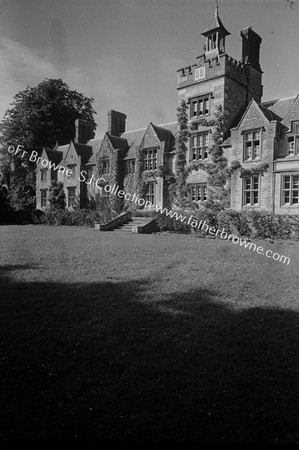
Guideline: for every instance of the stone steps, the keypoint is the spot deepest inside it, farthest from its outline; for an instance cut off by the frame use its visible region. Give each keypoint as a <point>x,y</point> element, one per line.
<point>135,221</point>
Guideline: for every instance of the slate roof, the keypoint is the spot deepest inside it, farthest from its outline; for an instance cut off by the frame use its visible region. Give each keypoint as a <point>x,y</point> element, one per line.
<point>54,156</point>
<point>281,106</point>
<point>63,149</point>
<point>118,142</point>
<point>271,115</point>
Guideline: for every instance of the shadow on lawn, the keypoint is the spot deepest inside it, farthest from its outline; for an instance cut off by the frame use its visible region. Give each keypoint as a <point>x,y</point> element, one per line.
<point>94,362</point>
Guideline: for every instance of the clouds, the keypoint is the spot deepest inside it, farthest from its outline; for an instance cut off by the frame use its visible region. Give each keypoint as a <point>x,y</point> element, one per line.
<point>106,79</point>
<point>22,66</point>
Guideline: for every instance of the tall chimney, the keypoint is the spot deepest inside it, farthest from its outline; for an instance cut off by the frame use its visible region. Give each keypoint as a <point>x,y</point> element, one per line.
<point>84,131</point>
<point>251,42</point>
<point>116,122</point>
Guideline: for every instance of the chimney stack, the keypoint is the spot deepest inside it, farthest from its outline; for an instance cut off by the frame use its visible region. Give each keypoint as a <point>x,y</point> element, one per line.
<point>84,131</point>
<point>251,42</point>
<point>116,122</point>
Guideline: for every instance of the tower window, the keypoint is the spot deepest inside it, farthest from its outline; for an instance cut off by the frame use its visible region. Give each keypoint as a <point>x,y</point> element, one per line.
<point>200,106</point>
<point>199,146</point>
<point>200,73</point>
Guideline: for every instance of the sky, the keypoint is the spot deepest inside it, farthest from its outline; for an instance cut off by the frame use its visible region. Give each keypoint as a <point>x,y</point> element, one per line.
<point>125,53</point>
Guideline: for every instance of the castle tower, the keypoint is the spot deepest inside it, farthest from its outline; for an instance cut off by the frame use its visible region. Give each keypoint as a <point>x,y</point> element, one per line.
<point>217,79</point>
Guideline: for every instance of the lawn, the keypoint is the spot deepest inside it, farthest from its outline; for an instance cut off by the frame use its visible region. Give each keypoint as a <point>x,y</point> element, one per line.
<point>123,337</point>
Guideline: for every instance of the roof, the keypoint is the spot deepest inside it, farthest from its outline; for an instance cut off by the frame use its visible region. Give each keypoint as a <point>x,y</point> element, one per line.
<point>118,142</point>
<point>63,149</point>
<point>270,115</point>
<point>165,132</point>
<point>54,155</point>
<point>92,160</point>
<point>216,24</point>
<point>134,139</point>
<point>83,150</point>
<point>95,144</point>
<point>281,106</point>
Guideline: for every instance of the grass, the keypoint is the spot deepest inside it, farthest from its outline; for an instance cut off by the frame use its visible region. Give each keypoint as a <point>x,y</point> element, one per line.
<point>123,337</point>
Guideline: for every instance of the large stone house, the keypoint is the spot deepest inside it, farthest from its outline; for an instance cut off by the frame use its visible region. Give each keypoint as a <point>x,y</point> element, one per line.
<point>262,137</point>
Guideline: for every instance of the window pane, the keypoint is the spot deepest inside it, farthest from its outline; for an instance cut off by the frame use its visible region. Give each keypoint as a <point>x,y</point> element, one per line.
<point>247,183</point>
<point>286,197</point>
<point>198,189</point>
<point>295,196</point>
<point>256,135</point>
<point>255,183</point>
<point>248,136</point>
<point>255,197</point>
<point>296,181</point>
<point>249,150</point>
<point>193,193</point>
<point>247,198</point>
<point>257,151</point>
<point>286,184</point>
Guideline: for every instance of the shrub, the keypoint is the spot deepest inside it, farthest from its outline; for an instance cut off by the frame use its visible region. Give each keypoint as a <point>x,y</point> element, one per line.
<point>57,196</point>
<point>208,216</point>
<point>78,217</point>
<point>37,216</point>
<point>265,225</point>
<point>167,223</point>
<point>234,222</point>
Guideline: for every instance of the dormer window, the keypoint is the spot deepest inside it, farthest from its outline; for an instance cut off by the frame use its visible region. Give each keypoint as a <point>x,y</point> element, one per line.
<point>252,145</point>
<point>150,159</point>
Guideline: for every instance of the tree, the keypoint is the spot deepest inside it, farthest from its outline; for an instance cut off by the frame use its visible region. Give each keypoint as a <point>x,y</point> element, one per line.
<point>57,196</point>
<point>39,117</point>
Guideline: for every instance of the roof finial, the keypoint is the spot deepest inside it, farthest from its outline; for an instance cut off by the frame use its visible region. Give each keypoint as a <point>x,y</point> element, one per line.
<point>216,9</point>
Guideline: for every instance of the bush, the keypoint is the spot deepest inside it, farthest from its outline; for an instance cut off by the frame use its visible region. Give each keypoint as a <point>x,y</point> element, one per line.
<point>167,223</point>
<point>37,216</point>
<point>234,222</point>
<point>265,225</point>
<point>78,217</point>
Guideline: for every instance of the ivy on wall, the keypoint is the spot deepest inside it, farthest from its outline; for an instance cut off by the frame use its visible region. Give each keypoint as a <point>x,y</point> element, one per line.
<point>258,169</point>
<point>115,204</point>
<point>178,190</point>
